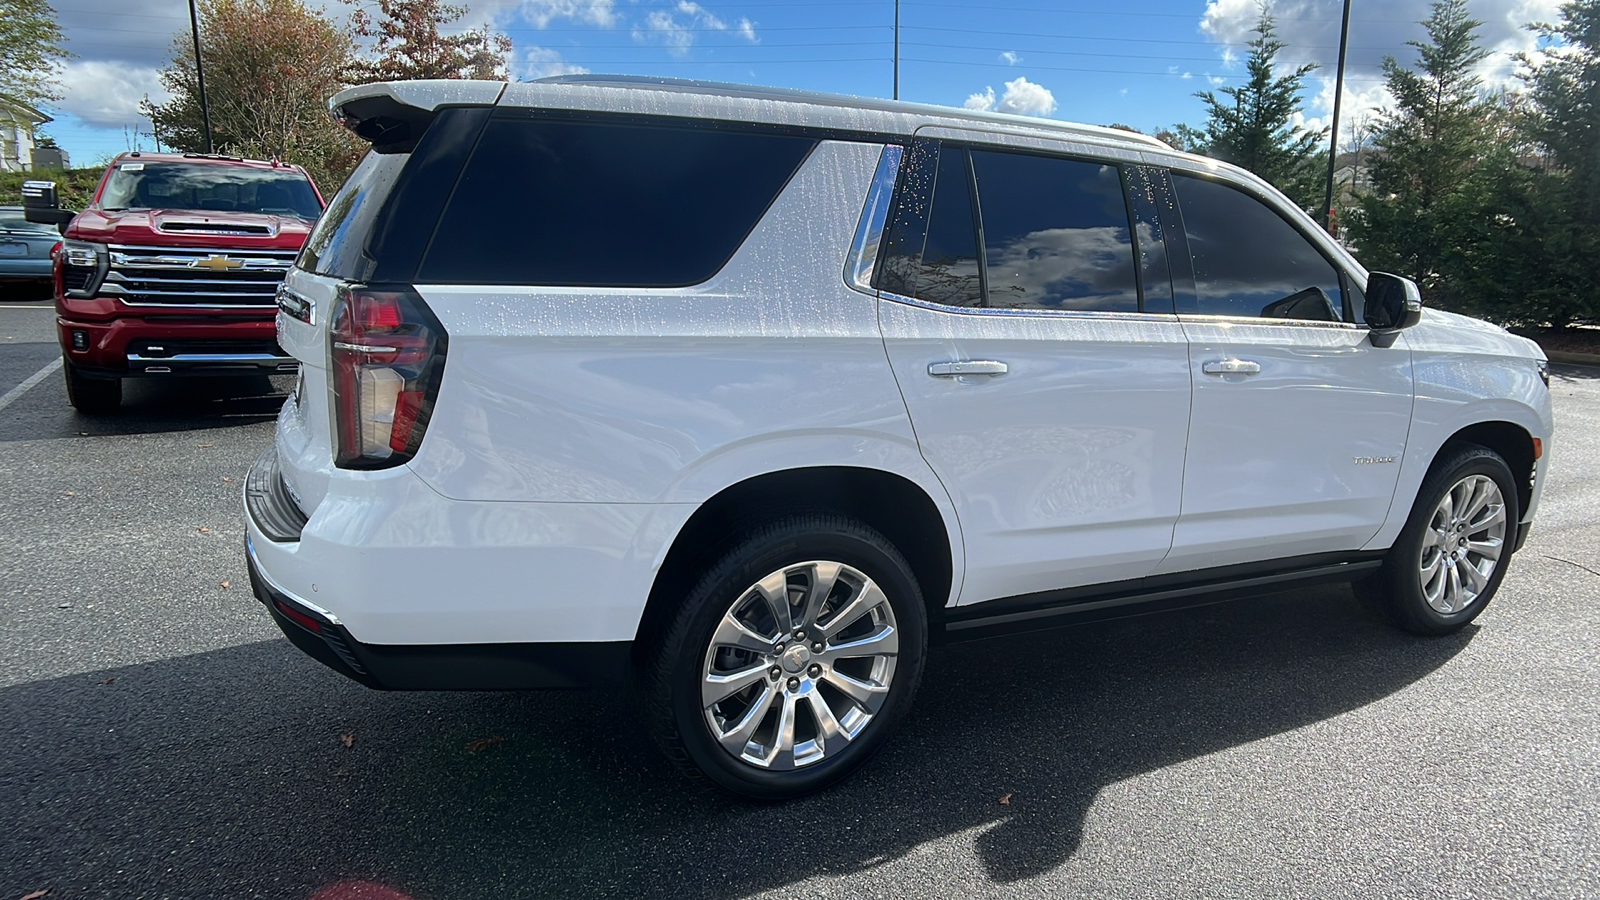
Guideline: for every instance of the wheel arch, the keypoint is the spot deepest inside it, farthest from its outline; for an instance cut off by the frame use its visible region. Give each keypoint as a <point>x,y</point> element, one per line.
<point>890,503</point>
<point>1511,441</point>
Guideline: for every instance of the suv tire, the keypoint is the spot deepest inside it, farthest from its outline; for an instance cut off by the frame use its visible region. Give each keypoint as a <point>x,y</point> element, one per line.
<point>91,396</point>
<point>800,712</point>
<point>1450,557</point>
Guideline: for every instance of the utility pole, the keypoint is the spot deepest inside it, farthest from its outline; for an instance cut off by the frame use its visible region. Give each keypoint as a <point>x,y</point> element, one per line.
<point>200,73</point>
<point>1333,138</point>
<point>896,48</point>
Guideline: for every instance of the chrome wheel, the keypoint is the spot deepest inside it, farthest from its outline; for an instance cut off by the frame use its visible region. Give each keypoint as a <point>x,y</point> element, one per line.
<point>1462,545</point>
<point>799,665</point>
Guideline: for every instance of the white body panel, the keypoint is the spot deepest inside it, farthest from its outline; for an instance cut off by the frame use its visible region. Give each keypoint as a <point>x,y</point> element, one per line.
<point>1277,460</point>
<point>1068,469</point>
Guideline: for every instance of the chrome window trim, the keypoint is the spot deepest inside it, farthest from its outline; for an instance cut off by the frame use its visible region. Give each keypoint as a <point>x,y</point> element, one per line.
<point>859,266</point>
<point>1207,319</point>
<point>1101,315</point>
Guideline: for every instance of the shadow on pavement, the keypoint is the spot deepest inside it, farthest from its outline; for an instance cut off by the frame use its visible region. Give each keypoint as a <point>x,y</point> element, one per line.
<point>149,406</point>
<point>231,763</point>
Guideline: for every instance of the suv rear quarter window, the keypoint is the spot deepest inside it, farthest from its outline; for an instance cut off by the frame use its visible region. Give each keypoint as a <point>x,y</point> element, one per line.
<point>562,202</point>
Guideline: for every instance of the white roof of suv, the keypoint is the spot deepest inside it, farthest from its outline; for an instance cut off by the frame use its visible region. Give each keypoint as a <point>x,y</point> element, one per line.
<point>734,102</point>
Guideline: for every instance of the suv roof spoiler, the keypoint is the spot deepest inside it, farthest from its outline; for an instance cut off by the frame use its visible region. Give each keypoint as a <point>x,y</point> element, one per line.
<point>399,112</point>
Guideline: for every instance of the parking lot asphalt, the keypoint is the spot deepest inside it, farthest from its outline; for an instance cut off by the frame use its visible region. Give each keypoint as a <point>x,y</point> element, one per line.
<point>159,739</point>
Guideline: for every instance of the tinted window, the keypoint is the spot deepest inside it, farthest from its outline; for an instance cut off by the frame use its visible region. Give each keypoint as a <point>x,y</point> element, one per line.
<point>1055,233</point>
<point>933,247</point>
<point>214,186</point>
<point>556,202</point>
<point>336,244</point>
<point>1150,199</point>
<point>1249,261</point>
<point>12,220</point>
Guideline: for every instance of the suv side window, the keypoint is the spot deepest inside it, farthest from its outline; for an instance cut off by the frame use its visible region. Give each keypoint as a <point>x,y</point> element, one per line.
<point>1249,261</point>
<point>932,251</point>
<point>1056,233</point>
<point>586,203</point>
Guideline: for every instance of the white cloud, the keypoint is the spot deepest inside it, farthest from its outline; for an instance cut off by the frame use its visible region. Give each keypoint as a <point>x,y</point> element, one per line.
<point>1010,57</point>
<point>984,100</point>
<point>107,94</point>
<point>1309,30</point>
<point>542,62</point>
<point>1022,97</point>
<point>541,13</point>
<point>663,26</point>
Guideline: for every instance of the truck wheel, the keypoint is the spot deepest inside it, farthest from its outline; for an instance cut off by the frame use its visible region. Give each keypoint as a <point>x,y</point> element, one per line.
<point>791,660</point>
<point>1450,558</point>
<point>92,396</point>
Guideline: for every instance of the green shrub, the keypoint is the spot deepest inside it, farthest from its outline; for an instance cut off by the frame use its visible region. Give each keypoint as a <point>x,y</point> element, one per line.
<point>75,187</point>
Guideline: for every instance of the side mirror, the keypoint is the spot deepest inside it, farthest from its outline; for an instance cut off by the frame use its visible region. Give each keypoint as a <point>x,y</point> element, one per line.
<point>41,205</point>
<point>1393,304</point>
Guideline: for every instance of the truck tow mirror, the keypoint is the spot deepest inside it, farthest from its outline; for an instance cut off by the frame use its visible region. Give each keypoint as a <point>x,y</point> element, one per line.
<point>41,205</point>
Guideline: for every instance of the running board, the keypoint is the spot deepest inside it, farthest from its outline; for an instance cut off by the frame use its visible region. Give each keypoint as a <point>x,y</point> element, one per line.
<point>1074,606</point>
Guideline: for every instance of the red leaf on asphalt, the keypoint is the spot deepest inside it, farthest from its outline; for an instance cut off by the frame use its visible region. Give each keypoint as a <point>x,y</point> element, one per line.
<point>105,681</point>
<point>224,584</point>
<point>349,740</point>
<point>35,895</point>
<point>481,743</point>
<point>1005,800</point>
<point>204,529</point>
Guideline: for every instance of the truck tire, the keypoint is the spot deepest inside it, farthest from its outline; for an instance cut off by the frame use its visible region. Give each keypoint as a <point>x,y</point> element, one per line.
<point>91,396</point>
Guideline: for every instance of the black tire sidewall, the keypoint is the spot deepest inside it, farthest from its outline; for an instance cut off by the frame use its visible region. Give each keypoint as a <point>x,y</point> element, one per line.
<point>1408,605</point>
<point>91,395</point>
<point>772,548</point>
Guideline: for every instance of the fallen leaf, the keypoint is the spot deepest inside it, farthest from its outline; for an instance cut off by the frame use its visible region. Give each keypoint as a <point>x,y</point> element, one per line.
<point>106,680</point>
<point>68,494</point>
<point>204,445</point>
<point>224,584</point>
<point>35,895</point>
<point>227,479</point>
<point>1005,800</point>
<point>481,743</point>
<point>204,529</point>
<point>349,740</point>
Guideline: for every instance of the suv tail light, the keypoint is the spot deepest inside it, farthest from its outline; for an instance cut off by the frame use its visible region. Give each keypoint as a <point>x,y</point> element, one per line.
<point>388,353</point>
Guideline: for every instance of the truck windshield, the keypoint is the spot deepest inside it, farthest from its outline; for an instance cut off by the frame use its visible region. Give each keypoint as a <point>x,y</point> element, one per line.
<point>221,187</point>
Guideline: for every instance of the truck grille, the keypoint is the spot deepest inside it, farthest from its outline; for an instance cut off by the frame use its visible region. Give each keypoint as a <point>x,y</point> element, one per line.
<point>188,276</point>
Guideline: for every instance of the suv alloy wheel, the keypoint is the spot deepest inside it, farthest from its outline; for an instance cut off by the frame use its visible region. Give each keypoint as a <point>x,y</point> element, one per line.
<point>792,659</point>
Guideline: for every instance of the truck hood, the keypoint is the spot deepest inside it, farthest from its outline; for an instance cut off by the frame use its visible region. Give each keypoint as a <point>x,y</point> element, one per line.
<point>189,228</point>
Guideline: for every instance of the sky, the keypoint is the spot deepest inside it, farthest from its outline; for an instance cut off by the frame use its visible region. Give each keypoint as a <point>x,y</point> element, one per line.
<point>1133,62</point>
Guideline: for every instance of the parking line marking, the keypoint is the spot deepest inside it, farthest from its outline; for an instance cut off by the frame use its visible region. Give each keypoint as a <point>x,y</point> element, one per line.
<point>16,393</point>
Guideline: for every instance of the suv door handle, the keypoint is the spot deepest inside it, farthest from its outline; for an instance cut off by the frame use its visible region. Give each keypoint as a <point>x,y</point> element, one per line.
<point>967,367</point>
<point>1231,367</point>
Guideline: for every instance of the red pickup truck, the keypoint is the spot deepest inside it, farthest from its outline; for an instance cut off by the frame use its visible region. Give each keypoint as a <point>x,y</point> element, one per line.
<point>173,269</point>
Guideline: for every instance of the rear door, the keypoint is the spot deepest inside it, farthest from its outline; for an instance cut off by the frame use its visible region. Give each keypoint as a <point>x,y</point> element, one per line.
<point>1298,420</point>
<point>1044,371</point>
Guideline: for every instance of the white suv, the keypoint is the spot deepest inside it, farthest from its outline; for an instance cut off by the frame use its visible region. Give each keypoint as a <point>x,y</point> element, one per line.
<point>743,396</point>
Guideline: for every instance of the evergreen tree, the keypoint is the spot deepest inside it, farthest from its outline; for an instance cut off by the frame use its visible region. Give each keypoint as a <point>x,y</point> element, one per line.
<point>1428,194</point>
<point>1253,126</point>
<point>1562,220</point>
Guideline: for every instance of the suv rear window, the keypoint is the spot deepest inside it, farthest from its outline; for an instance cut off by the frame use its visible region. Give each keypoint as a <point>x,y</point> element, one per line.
<point>337,244</point>
<point>599,204</point>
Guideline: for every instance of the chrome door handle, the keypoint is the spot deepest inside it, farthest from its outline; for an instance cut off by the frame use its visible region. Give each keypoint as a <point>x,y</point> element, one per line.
<point>967,367</point>
<point>1231,367</point>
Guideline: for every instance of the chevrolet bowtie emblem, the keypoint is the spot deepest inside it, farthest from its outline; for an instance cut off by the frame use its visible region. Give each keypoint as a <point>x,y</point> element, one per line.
<point>217,263</point>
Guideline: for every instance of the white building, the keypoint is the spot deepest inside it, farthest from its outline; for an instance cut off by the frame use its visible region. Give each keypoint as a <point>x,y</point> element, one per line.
<point>17,123</point>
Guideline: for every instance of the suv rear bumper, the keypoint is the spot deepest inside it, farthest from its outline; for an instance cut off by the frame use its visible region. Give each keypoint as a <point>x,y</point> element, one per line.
<point>439,667</point>
<point>171,345</point>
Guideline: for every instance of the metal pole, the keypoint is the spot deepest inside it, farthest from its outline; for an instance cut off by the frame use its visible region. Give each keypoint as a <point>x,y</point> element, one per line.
<point>1333,140</point>
<point>200,74</point>
<point>897,49</point>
